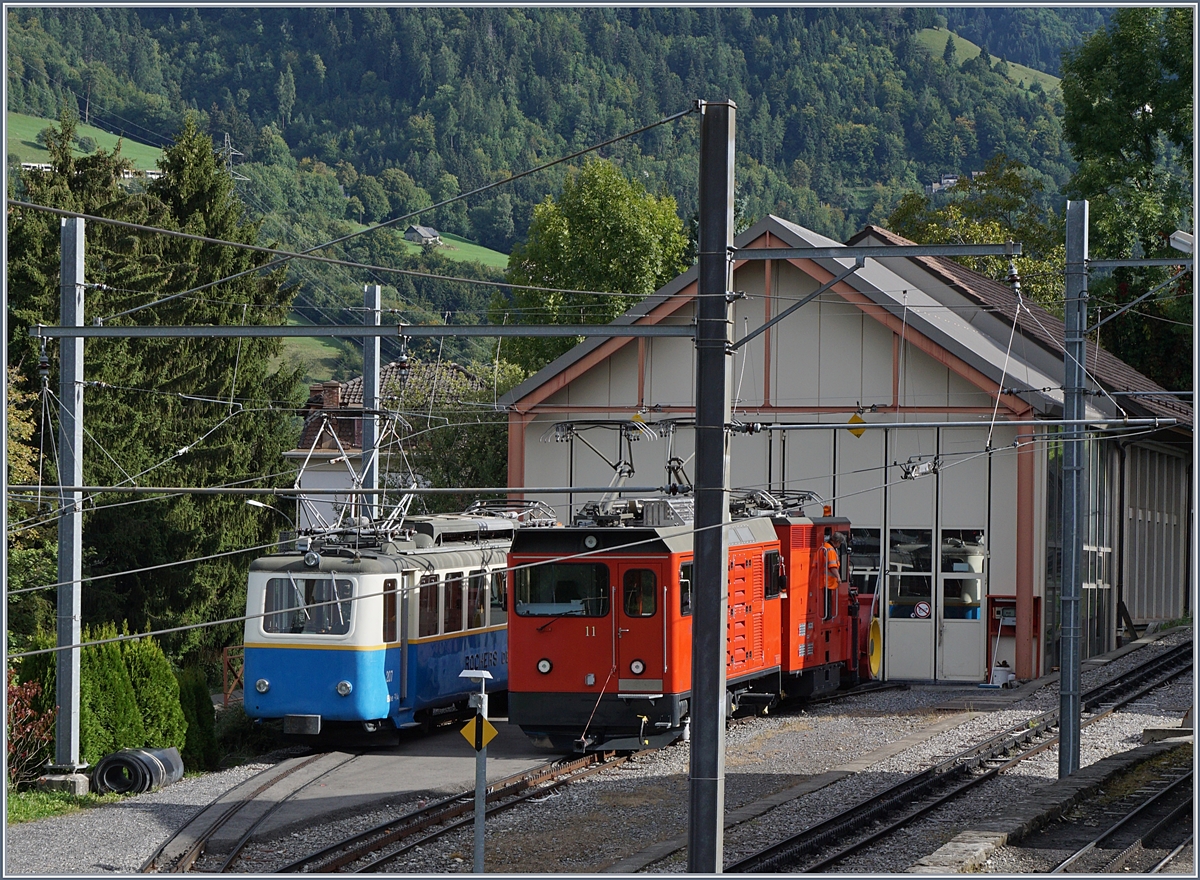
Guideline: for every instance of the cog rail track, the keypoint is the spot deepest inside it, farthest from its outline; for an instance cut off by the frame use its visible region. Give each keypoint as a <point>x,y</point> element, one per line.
<point>243,803</point>
<point>1160,809</point>
<point>835,839</point>
<point>378,845</point>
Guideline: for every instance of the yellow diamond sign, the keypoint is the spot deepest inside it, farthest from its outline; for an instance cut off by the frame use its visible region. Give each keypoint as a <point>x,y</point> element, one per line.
<point>476,737</point>
<point>856,419</point>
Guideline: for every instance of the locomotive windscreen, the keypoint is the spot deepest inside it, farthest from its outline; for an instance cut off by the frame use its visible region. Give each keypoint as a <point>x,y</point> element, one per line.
<point>562,588</point>
<point>308,605</point>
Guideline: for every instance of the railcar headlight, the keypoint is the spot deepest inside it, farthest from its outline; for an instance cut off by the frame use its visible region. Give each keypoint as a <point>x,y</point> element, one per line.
<point>344,688</point>
<point>312,558</point>
<point>637,667</point>
<point>590,542</point>
<point>544,666</point>
<point>262,685</point>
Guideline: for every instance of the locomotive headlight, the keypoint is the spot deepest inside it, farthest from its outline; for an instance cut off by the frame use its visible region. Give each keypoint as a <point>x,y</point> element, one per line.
<point>590,542</point>
<point>262,685</point>
<point>312,558</point>
<point>637,667</point>
<point>544,666</point>
<point>344,688</point>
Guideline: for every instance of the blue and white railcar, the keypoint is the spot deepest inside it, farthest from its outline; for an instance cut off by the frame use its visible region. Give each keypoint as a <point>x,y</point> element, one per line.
<point>344,629</point>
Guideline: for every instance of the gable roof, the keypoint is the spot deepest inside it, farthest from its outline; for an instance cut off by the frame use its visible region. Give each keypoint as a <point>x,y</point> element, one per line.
<point>410,388</point>
<point>1041,326</point>
<point>1033,373</point>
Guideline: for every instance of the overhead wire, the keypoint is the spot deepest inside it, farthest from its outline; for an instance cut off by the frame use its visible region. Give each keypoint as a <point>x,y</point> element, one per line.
<point>285,256</point>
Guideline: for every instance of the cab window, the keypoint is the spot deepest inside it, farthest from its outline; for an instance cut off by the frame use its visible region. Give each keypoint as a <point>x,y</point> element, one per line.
<point>560,589</point>
<point>639,589</point>
<point>774,574</point>
<point>313,606</point>
<point>685,589</point>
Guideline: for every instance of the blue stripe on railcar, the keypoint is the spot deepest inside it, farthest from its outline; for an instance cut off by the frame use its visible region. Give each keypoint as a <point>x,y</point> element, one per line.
<point>434,665</point>
<point>303,680</point>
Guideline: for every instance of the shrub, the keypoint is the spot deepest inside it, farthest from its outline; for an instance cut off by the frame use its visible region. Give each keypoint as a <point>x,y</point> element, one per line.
<point>157,693</point>
<point>109,717</point>
<point>30,731</point>
<point>86,144</point>
<point>200,750</point>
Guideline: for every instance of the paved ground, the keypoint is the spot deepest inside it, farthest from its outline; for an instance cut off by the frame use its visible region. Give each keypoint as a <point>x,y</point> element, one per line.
<point>439,763</point>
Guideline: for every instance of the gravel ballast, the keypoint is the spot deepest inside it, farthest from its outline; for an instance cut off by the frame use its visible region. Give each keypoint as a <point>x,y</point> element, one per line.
<point>600,822</point>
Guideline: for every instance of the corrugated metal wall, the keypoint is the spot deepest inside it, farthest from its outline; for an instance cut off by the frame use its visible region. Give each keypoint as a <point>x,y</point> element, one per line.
<point>1156,534</point>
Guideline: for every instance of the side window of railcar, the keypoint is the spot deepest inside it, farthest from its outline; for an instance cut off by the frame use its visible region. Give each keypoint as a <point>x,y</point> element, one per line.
<point>498,613</point>
<point>427,604</point>
<point>390,623</point>
<point>560,589</point>
<point>685,589</point>
<point>477,593</point>
<point>640,592</point>
<point>452,621</point>
<point>313,606</point>
<point>774,574</point>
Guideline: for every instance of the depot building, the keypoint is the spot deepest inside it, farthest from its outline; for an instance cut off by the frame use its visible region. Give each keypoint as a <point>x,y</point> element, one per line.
<point>918,399</point>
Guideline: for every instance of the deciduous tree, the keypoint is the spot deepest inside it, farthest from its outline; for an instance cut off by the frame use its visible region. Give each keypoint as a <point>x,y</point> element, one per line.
<point>604,233</point>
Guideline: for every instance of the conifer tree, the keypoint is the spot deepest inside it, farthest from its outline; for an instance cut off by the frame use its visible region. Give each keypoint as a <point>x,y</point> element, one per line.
<point>109,717</point>
<point>199,412</point>
<point>157,692</point>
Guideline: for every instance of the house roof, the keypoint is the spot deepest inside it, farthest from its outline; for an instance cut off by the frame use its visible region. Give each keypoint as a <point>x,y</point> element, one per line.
<point>974,324</point>
<point>401,389</point>
<point>426,231</point>
<point>1046,329</point>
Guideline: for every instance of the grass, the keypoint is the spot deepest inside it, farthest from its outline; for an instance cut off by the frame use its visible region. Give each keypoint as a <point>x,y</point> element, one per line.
<point>319,356</point>
<point>453,247</point>
<point>934,39</point>
<point>22,140</point>
<point>28,806</point>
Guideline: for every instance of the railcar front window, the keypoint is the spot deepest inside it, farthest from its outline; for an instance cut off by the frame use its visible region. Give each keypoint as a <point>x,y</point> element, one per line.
<point>580,589</point>
<point>312,606</point>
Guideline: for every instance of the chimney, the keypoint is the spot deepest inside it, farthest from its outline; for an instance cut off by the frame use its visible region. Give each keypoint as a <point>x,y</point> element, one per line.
<point>331,394</point>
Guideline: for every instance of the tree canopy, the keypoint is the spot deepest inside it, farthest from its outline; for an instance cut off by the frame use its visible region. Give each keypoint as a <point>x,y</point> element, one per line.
<point>1128,117</point>
<point>200,412</point>
<point>604,233</point>
<point>1000,204</point>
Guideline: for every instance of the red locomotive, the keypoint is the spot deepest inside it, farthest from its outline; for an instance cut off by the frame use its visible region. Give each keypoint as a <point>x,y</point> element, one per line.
<point>600,634</point>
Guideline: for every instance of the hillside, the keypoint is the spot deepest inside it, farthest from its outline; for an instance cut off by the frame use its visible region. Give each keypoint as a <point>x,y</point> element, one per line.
<point>21,140</point>
<point>344,117</point>
<point>934,40</point>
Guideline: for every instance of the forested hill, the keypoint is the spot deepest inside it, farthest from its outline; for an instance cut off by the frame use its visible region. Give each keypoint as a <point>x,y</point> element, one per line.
<point>840,110</point>
<point>1031,35</point>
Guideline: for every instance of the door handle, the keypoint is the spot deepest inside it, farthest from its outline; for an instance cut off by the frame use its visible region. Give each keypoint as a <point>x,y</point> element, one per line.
<point>620,631</point>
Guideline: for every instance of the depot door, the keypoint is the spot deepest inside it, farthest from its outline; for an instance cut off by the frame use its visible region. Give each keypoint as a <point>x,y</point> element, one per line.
<point>641,633</point>
<point>911,610</point>
<point>962,584</point>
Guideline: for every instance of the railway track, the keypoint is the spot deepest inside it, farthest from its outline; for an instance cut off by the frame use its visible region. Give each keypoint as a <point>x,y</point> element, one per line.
<point>245,806</point>
<point>378,848</point>
<point>824,845</point>
<point>1160,813</point>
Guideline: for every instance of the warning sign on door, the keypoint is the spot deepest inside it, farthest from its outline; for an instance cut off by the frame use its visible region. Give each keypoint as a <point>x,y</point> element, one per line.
<point>921,610</point>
